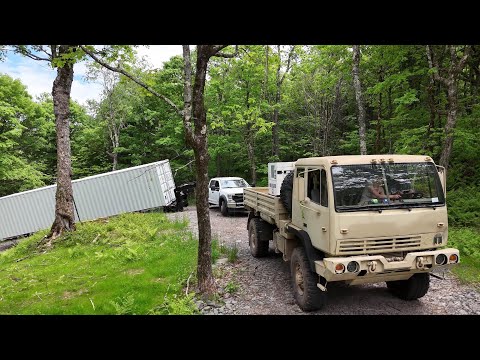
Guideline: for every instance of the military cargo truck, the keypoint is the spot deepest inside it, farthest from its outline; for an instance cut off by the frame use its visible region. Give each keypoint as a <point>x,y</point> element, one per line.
<point>357,219</point>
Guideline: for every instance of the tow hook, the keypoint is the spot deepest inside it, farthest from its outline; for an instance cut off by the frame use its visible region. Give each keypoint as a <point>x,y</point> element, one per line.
<point>321,286</point>
<point>372,265</point>
<point>420,263</point>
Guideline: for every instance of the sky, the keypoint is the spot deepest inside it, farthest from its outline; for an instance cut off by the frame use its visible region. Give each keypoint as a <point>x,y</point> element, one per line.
<point>38,76</point>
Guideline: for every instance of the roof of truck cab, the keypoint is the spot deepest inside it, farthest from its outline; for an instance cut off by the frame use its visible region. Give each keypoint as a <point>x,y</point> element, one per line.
<point>362,159</point>
<point>227,178</point>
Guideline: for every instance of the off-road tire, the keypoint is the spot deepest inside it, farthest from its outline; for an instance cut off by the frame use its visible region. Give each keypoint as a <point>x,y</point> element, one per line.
<point>223,208</point>
<point>304,282</point>
<point>411,289</point>
<point>286,190</point>
<point>259,234</point>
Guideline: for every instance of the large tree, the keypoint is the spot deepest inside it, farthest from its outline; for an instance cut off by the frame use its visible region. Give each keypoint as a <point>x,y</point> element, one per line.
<point>195,126</point>
<point>448,74</point>
<point>357,85</point>
<point>280,78</point>
<point>61,57</point>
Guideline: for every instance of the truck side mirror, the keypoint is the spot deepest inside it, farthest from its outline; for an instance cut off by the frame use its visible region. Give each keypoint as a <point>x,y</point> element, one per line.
<point>443,178</point>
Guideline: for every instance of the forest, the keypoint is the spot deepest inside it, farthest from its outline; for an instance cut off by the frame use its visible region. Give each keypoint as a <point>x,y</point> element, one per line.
<point>268,103</point>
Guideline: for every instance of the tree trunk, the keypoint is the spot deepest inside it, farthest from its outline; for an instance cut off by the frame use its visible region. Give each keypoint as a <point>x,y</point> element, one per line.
<point>451,121</point>
<point>359,97</point>
<point>199,143</point>
<point>116,145</point>
<point>390,115</point>
<point>433,114</point>
<point>275,109</point>
<point>250,142</point>
<point>378,138</point>
<point>64,207</point>
<point>279,82</point>
<point>450,80</point>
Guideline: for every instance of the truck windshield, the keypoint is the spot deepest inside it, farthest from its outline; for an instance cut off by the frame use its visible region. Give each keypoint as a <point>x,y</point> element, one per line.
<point>234,183</point>
<point>365,187</point>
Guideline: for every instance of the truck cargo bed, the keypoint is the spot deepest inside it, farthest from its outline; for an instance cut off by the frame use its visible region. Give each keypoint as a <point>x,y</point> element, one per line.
<point>268,207</point>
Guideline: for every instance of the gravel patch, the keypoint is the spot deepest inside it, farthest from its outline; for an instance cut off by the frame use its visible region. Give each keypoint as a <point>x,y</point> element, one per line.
<point>264,286</point>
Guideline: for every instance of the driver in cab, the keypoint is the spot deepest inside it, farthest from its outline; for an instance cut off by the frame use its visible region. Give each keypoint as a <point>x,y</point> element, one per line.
<point>375,193</point>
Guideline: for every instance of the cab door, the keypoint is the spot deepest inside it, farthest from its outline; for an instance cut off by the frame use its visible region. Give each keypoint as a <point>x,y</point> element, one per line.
<point>314,209</point>
<point>213,192</point>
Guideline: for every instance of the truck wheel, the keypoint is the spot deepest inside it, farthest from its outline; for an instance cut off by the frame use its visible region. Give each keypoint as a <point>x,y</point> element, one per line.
<point>286,190</point>
<point>259,234</point>
<point>308,296</point>
<point>223,207</point>
<point>411,289</point>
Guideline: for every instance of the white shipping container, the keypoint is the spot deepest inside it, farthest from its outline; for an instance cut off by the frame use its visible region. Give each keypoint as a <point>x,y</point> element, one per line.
<point>137,188</point>
<point>276,173</point>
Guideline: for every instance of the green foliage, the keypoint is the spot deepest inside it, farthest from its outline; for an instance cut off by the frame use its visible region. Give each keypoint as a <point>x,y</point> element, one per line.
<point>467,240</point>
<point>18,146</point>
<point>216,249</point>
<point>177,305</point>
<point>124,305</point>
<point>127,264</point>
<point>232,287</point>
<point>463,206</point>
<point>317,113</point>
<point>232,254</point>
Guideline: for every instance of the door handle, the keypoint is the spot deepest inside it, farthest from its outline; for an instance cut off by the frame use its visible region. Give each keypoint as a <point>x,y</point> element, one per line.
<point>324,229</point>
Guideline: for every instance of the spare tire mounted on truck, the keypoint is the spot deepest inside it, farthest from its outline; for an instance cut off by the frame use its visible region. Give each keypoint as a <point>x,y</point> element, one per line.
<point>286,190</point>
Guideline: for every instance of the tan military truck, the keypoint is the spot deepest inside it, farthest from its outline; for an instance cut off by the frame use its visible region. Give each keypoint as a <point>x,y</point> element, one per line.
<point>357,219</point>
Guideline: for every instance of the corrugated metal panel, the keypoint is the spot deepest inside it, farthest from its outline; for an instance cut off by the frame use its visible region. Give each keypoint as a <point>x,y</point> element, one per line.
<point>127,190</point>
<point>27,212</point>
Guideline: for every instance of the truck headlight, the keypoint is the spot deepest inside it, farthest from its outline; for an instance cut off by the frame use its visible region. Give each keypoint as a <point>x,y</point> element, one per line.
<point>353,266</point>
<point>441,259</point>
<point>229,196</point>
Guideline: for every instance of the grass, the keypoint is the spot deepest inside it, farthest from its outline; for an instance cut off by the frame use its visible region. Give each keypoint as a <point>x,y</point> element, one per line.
<point>219,250</point>
<point>232,287</point>
<point>128,264</point>
<point>467,240</point>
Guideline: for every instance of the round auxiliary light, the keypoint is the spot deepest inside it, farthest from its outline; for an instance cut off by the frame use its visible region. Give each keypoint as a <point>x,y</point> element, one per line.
<point>453,258</point>
<point>441,259</point>
<point>339,268</point>
<point>353,266</point>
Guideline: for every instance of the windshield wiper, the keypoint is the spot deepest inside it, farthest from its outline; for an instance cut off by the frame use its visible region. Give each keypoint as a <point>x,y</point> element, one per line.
<point>402,206</point>
<point>363,207</point>
<point>415,205</point>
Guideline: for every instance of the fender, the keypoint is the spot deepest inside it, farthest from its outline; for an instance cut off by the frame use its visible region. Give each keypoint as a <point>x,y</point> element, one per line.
<point>220,199</point>
<point>312,253</point>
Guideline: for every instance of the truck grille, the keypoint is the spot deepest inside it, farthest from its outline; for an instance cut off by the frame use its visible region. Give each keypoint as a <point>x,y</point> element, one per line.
<point>371,246</point>
<point>238,198</point>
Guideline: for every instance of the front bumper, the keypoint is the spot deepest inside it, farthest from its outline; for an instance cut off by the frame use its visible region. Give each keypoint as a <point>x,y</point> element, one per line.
<point>377,268</point>
<point>235,205</point>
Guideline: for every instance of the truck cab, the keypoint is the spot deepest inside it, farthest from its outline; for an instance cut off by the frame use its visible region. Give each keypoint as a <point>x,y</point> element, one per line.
<point>227,193</point>
<point>356,219</point>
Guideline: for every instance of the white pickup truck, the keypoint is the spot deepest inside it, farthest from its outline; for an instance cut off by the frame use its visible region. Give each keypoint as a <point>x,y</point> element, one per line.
<point>227,193</point>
